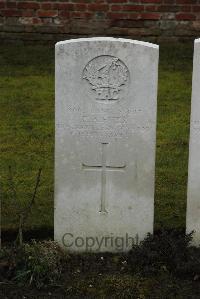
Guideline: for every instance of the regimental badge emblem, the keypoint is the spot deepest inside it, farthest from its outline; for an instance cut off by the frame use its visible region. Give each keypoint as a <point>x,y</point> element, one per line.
<point>107,76</point>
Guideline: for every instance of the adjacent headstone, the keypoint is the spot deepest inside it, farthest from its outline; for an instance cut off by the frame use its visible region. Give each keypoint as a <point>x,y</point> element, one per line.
<point>106,99</point>
<point>193,198</point>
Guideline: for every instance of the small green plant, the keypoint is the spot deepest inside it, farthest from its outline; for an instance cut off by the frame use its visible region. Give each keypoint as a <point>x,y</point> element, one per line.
<point>36,263</point>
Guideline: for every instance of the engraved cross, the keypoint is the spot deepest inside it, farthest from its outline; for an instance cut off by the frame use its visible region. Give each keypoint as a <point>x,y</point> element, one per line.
<point>103,168</point>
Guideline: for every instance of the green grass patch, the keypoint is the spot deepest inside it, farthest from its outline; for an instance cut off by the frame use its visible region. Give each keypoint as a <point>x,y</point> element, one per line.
<point>27,132</point>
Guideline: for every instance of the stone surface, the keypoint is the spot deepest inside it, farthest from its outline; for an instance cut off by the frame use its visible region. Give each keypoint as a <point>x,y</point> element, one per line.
<point>193,198</point>
<point>106,99</point>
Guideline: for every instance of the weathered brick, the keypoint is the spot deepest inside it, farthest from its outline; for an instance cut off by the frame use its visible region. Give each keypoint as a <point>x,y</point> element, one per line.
<point>134,16</point>
<point>80,7</point>
<point>168,15</point>
<point>150,16</point>
<point>28,13</point>
<point>128,23</point>
<point>11,13</point>
<point>47,21</point>
<point>133,8</point>
<point>185,32</point>
<point>168,1</point>
<point>118,16</point>
<point>10,4</point>
<point>168,8</point>
<point>117,1</point>
<point>162,19</point>
<point>97,7</point>
<point>81,15</point>
<point>186,1</point>
<point>134,1</point>
<point>196,25</point>
<point>26,20</point>
<point>36,21</point>
<point>185,8</point>
<point>63,6</point>
<point>84,1</point>
<point>151,1</point>
<point>152,8</point>
<point>28,5</point>
<point>116,7</point>
<point>196,8</point>
<point>2,4</point>
<point>47,13</point>
<point>46,6</point>
<point>185,16</point>
<point>64,13</point>
<point>12,20</point>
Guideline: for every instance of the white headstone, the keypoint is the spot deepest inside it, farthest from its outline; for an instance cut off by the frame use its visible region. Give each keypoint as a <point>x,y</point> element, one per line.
<point>193,198</point>
<point>106,99</point>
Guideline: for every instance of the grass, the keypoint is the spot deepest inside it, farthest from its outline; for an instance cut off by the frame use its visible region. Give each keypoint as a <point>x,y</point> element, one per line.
<point>27,132</point>
<point>27,129</point>
<point>174,99</point>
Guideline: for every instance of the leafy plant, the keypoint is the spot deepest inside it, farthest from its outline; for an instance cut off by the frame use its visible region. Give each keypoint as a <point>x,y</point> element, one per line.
<point>37,263</point>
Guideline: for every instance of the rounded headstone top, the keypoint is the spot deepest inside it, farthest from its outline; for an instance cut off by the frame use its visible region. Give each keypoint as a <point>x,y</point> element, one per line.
<point>108,39</point>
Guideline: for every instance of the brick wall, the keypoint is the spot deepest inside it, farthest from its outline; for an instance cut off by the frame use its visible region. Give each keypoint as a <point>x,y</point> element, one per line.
<point>155,20</point>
